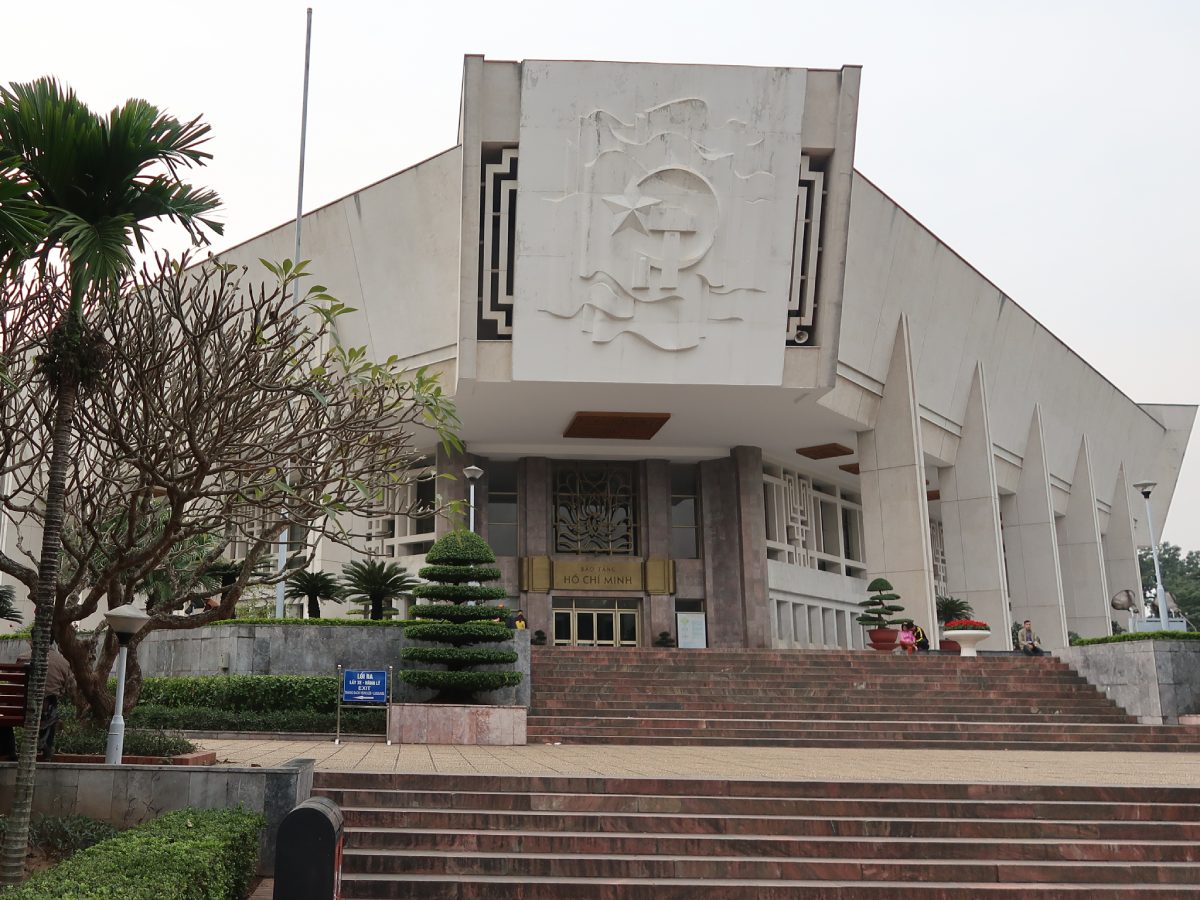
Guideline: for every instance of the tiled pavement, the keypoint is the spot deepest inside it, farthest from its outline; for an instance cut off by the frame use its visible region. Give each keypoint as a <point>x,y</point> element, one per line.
<point>842,764</point>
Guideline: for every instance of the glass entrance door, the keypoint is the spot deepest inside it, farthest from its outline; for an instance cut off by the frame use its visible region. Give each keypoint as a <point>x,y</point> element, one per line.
<point>588,622</point>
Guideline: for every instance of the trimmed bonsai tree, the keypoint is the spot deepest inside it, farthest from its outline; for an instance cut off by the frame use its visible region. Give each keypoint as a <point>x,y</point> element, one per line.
<point>879,610</point>
<point>456,616</point>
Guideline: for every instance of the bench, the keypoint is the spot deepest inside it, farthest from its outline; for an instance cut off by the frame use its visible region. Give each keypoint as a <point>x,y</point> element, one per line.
<point>14,685</point>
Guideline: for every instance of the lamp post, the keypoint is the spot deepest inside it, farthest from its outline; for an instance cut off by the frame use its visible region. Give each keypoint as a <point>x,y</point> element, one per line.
<point>125,621</point>
<point>1144,488</point>
<point>473,473</point>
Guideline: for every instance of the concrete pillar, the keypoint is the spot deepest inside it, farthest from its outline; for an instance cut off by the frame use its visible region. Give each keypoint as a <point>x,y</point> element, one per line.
<point>1085,585</point>
<point>533,517</point>
<point>1120,550</point>
<point>1031,545</point>
<point>971,521</point>
<point>892,480</point>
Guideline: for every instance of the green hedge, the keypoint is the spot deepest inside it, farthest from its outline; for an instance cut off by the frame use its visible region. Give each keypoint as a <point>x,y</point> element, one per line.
<point>459,658</point>
<point>467,633</point>
<point>1141,636</point>
<point>465,682</point>
<point>259,693</point>
<point>191,854</point>
<point>204,718</point>
<point>75,739</point>
<point>319,623</point>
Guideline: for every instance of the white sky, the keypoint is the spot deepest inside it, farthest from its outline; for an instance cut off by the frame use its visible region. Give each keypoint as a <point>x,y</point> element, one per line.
<point>1055,145</point>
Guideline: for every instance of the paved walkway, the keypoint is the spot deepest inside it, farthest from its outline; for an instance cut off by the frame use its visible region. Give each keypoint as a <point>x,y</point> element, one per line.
<point>826,764</point>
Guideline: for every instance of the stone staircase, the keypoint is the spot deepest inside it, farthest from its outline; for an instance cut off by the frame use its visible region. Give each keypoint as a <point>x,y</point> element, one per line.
<point>830,699</point>
<point>480,837</point>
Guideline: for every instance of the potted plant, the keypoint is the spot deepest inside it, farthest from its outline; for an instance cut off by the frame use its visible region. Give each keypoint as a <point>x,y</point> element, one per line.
<point>877,615</point>
<point>967,633</point>
<point>948,610</point>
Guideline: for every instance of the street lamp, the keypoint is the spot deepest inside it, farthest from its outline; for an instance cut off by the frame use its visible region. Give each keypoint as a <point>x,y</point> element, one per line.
<point>473,473</point>
<point>125,621</point>
<point>1144,488</point>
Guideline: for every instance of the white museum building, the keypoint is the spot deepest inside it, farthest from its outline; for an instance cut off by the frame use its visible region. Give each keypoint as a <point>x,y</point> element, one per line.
<point>715,377</point>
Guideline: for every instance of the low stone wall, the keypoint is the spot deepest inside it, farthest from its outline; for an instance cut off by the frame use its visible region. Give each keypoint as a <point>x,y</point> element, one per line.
<point>12,650</point>
<point>428,723</point>
<point>1157,681</point>
<point>129,795</point>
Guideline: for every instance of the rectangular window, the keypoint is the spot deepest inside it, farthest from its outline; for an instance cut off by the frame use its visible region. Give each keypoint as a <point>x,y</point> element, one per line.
<point>502,508</point>
<point>685,518</point>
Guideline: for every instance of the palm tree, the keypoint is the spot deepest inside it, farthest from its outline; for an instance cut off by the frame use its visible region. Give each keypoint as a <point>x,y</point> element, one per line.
<point>8,604</point>
<point>79,188</point>
<point>374,583</point>
<point>314,587</point>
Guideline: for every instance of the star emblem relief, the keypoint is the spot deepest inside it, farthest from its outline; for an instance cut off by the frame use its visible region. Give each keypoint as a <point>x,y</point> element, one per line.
<point>630,208</point>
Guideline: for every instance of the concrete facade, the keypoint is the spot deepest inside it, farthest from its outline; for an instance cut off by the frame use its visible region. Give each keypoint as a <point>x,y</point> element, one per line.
<point>697,352</point>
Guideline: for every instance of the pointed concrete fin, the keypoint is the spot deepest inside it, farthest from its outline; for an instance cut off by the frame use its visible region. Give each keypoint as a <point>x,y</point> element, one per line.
<point>897,424</point>
<point>1120,548</point>
<point>1031,542</point>
<point>1085,585</point>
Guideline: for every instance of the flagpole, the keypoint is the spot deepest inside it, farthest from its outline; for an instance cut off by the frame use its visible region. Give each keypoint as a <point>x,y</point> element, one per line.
<point>284,535</point>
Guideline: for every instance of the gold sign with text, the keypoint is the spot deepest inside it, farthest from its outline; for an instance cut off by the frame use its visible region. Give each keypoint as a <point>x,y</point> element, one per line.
<point>598,575</point>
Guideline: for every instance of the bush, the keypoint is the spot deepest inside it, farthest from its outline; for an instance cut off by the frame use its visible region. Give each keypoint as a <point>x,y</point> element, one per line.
<point>459,634</point>
<point>191,854</point>
<point>454,560</point>
<point>1141,636</point>
<point>62,836</point>
<point>260,693</point>
<point>460,682</point>
<point>449,612</point>
<point>460,574</point>
<point>202,718</point>
<point>457,659</point>
<point>74,739</point>
<point>457,592</point>
<point>319,623</point>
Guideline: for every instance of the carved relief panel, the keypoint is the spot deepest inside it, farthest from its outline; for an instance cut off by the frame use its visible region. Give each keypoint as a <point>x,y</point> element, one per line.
<point>656,230</point>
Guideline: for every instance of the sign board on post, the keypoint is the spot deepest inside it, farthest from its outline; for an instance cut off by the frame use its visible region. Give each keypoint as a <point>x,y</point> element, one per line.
<point>364,686</point>
<point>364,689</point>
<point>691,630</point>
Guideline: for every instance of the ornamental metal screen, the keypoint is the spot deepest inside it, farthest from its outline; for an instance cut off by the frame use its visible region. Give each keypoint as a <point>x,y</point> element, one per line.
<point>595,508</point>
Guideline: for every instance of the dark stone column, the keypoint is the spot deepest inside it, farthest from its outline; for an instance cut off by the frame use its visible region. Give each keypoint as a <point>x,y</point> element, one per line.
<point>660,609</point>
<point>533,517</point>
<point>722,554</point>
<point>455,488</point>
<point>735,549</point>
<point>752,534</point>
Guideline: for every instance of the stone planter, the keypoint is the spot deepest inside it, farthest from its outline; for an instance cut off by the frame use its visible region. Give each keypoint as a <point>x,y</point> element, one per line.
<point>883,639</point>
<point>967,640</point>
<point>436,723</point>
<point>199,758</point>
<point>948,645</point>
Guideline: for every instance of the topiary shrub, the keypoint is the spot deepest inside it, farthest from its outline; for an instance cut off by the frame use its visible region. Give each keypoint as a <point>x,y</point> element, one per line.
<point>878,610</point>
<point>459,564</point>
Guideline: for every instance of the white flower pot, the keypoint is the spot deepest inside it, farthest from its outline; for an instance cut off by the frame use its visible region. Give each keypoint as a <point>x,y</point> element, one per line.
<point>967,640</point>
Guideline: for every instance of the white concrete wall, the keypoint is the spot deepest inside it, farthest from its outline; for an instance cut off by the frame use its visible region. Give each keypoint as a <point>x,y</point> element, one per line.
<point>958,319</point>
<point>391,251</point>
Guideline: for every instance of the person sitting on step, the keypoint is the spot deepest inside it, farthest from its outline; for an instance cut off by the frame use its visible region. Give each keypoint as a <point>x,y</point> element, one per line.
<point>1028,641</point>
<point>922,638</point>
<point>908,638</point>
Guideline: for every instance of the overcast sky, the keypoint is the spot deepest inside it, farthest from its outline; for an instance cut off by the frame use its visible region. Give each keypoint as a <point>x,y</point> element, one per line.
<point>1055,145</point>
